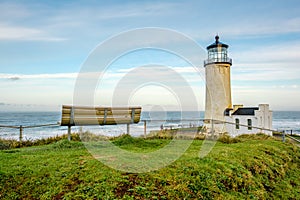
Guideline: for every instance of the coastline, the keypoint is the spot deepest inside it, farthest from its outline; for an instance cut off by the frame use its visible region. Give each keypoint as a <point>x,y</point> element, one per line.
<point>282,120</point>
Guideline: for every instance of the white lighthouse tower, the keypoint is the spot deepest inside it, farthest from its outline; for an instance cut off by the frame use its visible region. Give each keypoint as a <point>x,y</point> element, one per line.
<point>218,89</point>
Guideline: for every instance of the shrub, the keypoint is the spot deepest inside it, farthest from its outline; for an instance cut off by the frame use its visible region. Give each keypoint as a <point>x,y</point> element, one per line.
<point>225,138</point>
<point>63,144</point>
<point>124,140</point>
<point>88,136</point>
<point>11,143</point>
<point>258,136</point>
<point>180,133</point>
<point>3,145</point>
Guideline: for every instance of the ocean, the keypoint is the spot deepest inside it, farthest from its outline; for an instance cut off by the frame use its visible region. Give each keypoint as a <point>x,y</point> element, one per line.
<point>282,120</point>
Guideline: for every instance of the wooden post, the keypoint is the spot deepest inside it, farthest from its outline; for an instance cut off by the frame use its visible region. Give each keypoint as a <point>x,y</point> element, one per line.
<point>145,128</point>
<point>212,128</point>
<point>69,133</point>
<point>128,129</point>
<point>283,136</point>
<point>21,133</point>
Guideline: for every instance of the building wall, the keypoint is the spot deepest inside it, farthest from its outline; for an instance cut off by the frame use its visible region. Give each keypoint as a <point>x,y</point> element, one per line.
<point>264,116</point>
<point>242,128</point>
<point>260,121</point>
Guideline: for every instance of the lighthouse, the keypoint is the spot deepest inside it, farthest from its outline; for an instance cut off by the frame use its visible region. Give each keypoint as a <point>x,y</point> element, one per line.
<point>218,88</point>
<point>220,115</point>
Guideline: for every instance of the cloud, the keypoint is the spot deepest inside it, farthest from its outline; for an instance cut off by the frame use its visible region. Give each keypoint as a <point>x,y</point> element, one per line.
<point>24,22</point>
<point>262,27</point>
<point>184,69</point>
<point>137,9</point>
<point>270,73</point>
<point>38,76</point>
<point>28,107</point>
<point>279,97</point>
<point>113,11</point>
<point>269,62</point>
<point>16,32</point>
<point>101,18</point>
<point>92,18</point>
<point>13,11</point>
<point>14,78</point>
<point>287,52</point>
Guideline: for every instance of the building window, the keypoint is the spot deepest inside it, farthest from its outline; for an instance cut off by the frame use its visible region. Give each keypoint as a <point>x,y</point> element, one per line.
<point>237,124</point>
<point>249,121</point>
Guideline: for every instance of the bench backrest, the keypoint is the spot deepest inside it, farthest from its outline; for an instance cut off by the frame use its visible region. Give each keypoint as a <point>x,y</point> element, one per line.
<point>84,116</point>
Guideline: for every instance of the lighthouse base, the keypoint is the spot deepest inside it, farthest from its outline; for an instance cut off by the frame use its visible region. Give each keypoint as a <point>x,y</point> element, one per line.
<point>214,127</point>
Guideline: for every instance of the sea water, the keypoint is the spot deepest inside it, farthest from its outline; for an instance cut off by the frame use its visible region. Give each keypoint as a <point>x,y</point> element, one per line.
<point>282,120</point>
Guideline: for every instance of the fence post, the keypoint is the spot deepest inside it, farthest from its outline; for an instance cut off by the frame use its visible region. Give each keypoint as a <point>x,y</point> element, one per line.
<point>145,128</point>
<point>69,133</point>
<point>212,128</point>
<point>21,133</point>
<point>128,129</point>
<point>283,136</point>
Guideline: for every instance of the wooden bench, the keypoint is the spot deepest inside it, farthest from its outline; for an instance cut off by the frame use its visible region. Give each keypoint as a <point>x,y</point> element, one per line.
<point>87,116</point>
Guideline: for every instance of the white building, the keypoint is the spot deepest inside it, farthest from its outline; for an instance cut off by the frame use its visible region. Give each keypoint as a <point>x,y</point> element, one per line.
<point>220,115</point>
<point>248,120</point>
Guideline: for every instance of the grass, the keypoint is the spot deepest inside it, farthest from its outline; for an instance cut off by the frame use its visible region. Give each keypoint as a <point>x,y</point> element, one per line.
<point>184,133</point>
<point>139,145</point>
<point>11,143</point>
<point>252,167</point>
<point>296,136</point>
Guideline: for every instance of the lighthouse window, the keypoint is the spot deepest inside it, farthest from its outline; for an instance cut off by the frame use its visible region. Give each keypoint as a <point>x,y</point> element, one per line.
<point>237,124</point>
<point>249,121</point>
<point>217,54</point>
<point>224,50</point>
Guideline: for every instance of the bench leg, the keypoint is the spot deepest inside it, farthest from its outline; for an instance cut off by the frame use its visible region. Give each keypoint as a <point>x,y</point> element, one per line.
<point>69,133</point>
<point>145,129</point>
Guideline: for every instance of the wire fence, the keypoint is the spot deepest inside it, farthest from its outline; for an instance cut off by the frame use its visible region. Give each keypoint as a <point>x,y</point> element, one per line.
<point>143,128</point>
<point>13,132</point>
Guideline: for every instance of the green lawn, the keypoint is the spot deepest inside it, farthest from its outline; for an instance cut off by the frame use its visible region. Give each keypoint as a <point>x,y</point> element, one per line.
<point>253,168</point>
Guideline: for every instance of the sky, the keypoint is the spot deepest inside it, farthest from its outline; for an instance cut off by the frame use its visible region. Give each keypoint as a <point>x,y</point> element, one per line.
<point>44,45</point>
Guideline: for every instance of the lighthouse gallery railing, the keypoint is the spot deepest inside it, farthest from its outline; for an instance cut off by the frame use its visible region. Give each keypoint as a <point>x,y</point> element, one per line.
<point>218,60</point>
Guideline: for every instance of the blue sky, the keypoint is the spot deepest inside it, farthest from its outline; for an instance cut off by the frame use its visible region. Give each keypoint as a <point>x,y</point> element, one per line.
<point>43,45</point>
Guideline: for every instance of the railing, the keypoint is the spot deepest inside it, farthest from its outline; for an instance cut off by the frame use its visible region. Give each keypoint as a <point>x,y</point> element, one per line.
<point>217,60</point>
<point>145,127</point>
<point>185,123</point>
<point>21,128</point>
<point>293,138</point>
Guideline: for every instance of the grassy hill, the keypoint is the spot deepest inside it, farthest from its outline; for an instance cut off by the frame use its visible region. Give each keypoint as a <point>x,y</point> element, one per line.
<point>255,167</point>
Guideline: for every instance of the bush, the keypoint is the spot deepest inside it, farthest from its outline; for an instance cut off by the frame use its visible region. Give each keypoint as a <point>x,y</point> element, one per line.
<point>63,144</point>
<point>258,136</point>
<point>225,138</point>
<point>88,136</point>
<point>11,143</point>
<point>124,140</point>
<point>3,146</point>
<point>180,133</point>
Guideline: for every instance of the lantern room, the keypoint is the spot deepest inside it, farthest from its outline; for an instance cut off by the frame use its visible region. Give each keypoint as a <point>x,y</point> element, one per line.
<point>217,53</point>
